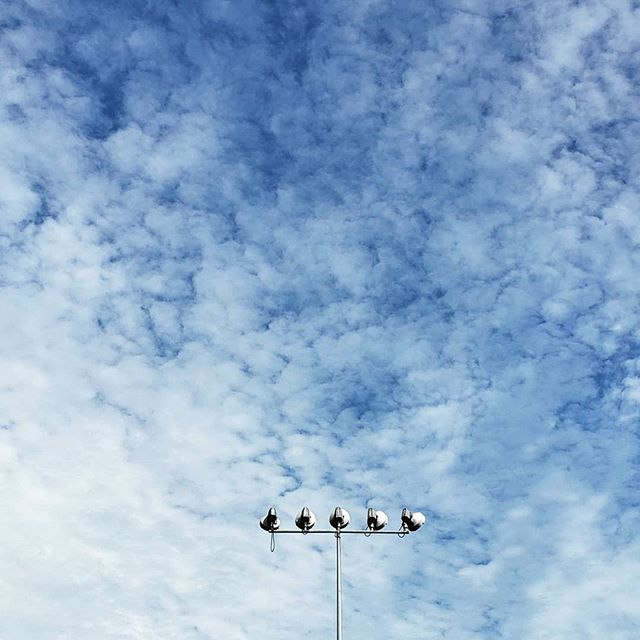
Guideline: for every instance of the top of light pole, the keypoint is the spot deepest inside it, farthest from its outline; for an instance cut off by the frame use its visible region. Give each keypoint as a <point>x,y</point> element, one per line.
<point>339,519</point>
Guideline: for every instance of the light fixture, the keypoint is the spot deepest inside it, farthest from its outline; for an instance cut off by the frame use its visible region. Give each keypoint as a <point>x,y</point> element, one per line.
<point>305,519</point>
<point>270,522</point>
<point>340,518</point>
<point>376,520</point>
<point>412,521</point>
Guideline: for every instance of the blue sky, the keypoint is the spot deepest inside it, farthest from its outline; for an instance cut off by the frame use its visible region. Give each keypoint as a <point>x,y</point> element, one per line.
<point>370,254</point>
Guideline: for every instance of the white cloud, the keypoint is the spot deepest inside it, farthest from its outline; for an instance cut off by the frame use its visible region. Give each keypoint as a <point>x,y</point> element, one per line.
<point>258,254</point>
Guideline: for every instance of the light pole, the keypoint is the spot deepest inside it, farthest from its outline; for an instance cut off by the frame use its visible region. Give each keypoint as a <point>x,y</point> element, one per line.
<point>339,520</point>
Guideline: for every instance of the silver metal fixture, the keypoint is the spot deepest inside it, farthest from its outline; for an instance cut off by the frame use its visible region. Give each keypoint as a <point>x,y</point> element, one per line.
<point>340,518</point>
<point>376,520</point>
<point>305,520</point>
<point>412,521</point>
<point>270,522</point>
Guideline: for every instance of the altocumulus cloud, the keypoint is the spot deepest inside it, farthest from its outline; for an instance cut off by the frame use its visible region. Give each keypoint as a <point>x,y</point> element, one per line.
<point>277,252</point>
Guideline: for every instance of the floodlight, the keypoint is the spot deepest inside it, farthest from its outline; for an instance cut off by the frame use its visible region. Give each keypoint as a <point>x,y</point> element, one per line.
<point>305,519</point>
<point>340,518</point>
<point>412,521</point>
<point>270,522</point>
<point>376,520</point>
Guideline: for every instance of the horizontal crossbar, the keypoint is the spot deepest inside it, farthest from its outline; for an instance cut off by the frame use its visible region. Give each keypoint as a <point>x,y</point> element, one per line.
<point>365,532</point>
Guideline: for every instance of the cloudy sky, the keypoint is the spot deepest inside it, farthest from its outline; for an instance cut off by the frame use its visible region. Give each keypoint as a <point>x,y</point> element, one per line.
<point>367,253</point>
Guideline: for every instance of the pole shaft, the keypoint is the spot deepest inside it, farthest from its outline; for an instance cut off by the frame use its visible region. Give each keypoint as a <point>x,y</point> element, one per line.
<point>338,587</point>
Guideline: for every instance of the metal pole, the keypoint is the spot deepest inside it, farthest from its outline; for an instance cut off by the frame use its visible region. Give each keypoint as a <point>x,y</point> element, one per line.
<point>376,520</point>
<point>338,588</point>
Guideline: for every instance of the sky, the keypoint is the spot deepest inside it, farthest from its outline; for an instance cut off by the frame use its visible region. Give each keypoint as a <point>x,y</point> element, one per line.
<point>370,254</point>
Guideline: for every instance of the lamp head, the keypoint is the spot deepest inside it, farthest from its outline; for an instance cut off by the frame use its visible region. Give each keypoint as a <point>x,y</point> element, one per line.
<point>305,519</point>
<point>412,521</point>
<point>376,520</point>
<point>339,519</point>
<point>270,522</point>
